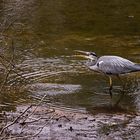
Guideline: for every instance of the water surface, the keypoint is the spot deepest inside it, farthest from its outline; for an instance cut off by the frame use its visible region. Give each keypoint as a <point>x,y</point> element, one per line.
<point>45,35</point>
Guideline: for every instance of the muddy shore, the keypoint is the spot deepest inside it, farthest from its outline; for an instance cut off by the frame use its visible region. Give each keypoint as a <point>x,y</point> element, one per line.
<point>43,123</point>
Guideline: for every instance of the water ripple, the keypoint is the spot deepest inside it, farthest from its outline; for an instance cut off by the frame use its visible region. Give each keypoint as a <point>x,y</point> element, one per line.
<point>39,68</point>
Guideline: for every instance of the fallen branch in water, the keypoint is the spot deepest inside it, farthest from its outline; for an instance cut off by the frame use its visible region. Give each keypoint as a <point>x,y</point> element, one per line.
<point>35,108</point>
<point>16,119</point>
<point>23,114</point>
<point>34,135</point>
<point>22,120</point>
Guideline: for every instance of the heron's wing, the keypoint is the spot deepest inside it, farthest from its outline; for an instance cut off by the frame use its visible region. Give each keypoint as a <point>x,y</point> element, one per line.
<point>115,65</point>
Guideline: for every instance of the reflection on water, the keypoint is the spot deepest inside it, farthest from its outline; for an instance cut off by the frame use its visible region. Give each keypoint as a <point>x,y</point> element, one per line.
<point>46,33</point>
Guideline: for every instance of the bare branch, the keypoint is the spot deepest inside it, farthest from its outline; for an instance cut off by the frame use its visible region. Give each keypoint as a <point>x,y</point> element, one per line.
<point>16,119</point>
<point>35,108</point>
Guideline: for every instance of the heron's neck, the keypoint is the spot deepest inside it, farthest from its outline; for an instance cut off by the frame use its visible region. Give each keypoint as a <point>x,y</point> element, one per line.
<point>91,62</point>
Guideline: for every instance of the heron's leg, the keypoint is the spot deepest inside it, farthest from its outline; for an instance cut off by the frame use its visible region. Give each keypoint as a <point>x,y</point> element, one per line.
<point>110,88</point>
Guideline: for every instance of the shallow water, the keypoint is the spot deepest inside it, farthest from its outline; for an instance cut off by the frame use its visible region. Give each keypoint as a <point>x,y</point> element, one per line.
<point>45,35</point>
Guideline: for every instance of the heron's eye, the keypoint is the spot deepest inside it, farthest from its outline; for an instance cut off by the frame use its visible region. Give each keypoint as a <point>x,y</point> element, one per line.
<point>98,64</point>
<point>93,54</point>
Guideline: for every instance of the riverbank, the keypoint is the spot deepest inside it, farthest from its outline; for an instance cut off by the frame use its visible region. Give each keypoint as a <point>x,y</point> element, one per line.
<point>42,122</point>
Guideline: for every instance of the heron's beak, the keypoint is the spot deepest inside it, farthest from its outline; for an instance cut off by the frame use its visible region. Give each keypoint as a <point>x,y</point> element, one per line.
<point>83,54</point>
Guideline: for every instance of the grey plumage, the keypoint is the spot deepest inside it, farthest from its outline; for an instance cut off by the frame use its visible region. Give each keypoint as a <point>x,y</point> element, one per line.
<point>114,65</point>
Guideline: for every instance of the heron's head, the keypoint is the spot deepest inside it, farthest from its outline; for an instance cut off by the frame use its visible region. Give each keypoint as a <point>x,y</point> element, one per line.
<point>88,55</point>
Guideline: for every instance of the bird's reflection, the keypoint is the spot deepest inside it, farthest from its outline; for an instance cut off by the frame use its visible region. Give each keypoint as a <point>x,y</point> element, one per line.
<point>122,102</point>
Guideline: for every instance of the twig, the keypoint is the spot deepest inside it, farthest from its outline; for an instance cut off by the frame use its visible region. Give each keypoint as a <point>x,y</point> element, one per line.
<point>36,120</point>
<point>36,134</point>
<point>13,52</point>
<point>5,80</point>
<point>13,66</point>
<point>8,26</point>
<point>41,128</point>
<point>35,108</point>
<point>6,77</point>
<point>16,119</point>
<point>63,117</point>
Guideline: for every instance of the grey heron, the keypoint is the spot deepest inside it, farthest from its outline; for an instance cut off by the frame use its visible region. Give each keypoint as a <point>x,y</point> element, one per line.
<point>109,65</point>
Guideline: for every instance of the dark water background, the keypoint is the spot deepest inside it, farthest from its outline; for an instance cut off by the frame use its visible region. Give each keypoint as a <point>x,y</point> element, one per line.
<point>45,35</point>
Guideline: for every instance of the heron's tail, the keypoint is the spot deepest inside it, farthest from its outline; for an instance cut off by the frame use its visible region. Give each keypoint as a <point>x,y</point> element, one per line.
<point>137,67</point>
